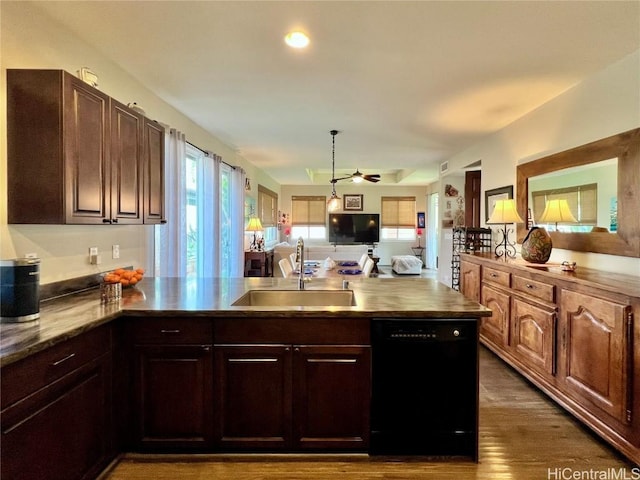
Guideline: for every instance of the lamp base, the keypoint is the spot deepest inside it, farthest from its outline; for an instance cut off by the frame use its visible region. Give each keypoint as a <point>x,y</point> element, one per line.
<point>505,248</point>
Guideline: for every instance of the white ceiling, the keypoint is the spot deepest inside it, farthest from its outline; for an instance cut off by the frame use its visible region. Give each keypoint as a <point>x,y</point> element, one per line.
<point>408,84</point>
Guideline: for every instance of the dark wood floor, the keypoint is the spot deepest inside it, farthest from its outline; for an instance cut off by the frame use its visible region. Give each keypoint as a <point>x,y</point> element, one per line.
<point>523,436</point>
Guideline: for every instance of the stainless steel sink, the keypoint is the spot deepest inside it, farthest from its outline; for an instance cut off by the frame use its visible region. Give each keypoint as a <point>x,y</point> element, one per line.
<point>296,298</point>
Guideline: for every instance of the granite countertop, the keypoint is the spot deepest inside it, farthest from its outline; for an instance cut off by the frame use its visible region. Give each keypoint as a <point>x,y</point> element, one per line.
<point>68,316</point>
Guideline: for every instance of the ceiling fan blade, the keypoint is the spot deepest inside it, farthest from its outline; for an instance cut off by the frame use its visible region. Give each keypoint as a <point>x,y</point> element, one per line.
<point>334,180</point>
<point>372,178</point>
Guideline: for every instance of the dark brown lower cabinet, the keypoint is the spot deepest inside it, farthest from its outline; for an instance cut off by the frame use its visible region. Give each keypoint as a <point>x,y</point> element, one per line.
<point>173,402</point>
<point>331,397</point>
<point>292,397</point>
<point>62,428</point>
<point>252,390</point>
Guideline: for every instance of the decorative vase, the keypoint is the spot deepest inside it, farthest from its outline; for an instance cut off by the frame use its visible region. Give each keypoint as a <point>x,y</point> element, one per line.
<point>536,247</point>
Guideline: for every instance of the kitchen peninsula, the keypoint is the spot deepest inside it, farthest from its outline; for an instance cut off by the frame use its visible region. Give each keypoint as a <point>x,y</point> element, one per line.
<point>174,366</point>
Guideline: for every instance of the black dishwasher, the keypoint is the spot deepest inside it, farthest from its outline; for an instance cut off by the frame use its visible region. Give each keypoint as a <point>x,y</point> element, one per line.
<point>424,387</point>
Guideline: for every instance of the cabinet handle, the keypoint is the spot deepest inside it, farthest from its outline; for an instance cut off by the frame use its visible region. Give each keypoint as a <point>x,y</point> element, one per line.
<point>287,349</point>
<point>528,285</point>
<point>493,275</point>
<point>169,331</point>
<point>163,221</point>
<point>55,364</point>
<point>206,349</point>
<point>115,220</point>
<point>296,349</point>
<point>106,220</point>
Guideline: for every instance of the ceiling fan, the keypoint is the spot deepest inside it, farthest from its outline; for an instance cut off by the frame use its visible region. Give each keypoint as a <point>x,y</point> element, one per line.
<point>356,176</point>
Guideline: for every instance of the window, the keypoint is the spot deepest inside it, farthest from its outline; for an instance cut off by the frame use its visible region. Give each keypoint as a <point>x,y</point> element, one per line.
<point>398,218</point>
<point>582,200</point>
<point>204,202</point>
<point>268,213</point>
<point>267,206</point>
<point>308,217</point>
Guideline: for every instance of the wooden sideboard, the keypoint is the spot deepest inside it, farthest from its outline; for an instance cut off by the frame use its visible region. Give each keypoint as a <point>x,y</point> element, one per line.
<point>575,335</point>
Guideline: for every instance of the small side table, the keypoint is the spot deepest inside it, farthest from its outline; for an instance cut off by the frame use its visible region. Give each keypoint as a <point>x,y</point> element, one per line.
<point>375,259</point>
<point>258,264</point>
<point>417,252</point>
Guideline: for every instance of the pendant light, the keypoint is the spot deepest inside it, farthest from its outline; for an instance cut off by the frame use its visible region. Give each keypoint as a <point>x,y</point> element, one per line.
<point>335,202</point>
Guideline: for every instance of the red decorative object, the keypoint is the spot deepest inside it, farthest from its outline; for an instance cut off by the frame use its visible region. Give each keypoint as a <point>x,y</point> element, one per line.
<point>419,231</point>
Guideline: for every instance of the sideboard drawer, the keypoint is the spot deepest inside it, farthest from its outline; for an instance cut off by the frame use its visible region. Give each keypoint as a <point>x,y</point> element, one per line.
<point>496,276</point>
<point>540,290</point>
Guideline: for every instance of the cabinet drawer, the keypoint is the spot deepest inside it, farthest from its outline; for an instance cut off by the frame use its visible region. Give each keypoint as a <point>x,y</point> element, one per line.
<point>39,370</point>
<point>173,331</point>
<point>540,290</point>
<point>495,276</point>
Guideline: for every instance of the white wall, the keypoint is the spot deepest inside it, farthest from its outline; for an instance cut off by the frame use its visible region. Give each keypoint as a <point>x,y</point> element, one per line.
<point>30,39</point>
<point>601,106</point>
<point>371,201</point>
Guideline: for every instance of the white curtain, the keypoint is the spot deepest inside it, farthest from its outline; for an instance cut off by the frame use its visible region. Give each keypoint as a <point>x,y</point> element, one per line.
<point>171,238</point>
<point>238,177</point>
<point>210,217</point>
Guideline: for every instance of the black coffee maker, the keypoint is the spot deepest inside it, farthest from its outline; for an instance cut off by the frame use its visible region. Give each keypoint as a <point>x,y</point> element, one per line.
<point>19,290</point>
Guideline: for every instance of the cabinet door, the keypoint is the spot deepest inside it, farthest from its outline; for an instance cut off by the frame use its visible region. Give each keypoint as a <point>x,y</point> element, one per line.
<point>173,392</point>
<point>86,153</point>
<point>496,328</point>
<point>153,152</point>
<point>126,165</point>
<point>61,432</point>
<point>252,388</point>
<point>331,392</point>
<point>597,353</point>
<point>534,336</point>
<point>470,280</point>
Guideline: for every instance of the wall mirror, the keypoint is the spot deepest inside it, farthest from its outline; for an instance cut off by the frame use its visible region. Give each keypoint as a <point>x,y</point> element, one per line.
<point>622,227</point>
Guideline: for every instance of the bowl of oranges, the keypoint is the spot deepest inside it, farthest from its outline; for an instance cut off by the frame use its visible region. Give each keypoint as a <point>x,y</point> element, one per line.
<point>124,276</point>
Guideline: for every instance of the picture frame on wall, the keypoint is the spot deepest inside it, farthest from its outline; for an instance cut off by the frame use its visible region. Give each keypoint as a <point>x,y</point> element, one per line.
<point>491,196</point>
<point>352,202</point>
<point>421,220</point>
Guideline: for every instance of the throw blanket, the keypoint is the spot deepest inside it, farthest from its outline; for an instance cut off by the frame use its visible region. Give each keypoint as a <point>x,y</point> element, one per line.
<point>406,264</point>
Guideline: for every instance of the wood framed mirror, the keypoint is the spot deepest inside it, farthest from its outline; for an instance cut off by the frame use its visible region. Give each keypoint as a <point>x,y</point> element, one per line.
<point>626,148</point>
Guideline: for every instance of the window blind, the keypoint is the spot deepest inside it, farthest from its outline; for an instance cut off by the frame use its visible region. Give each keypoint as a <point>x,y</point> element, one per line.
<point>308,210</point>
<point>267,206</point>
<point>398,212</point>
<point>582,200</point>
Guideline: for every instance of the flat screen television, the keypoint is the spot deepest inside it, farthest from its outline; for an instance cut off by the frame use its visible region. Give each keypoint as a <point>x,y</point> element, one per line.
<point>353,228</point>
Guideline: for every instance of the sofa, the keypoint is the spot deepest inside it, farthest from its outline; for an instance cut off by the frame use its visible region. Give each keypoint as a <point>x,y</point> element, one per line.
<point>318,252</point>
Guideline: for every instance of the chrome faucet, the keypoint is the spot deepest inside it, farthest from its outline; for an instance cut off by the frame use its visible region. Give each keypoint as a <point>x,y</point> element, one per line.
<point>300,260</point>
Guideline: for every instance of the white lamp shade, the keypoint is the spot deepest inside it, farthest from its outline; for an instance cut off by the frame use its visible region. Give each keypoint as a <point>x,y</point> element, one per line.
<point>505,211</point>
<point>557,211</point>
<point>254,225</point>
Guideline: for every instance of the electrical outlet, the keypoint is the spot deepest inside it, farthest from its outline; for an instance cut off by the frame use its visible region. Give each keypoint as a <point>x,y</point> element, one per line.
<point>93,255</point>
<point>115,251</point>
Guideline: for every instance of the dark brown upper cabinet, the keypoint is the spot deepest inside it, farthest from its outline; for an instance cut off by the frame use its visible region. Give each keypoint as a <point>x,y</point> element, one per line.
<point>77,156</point>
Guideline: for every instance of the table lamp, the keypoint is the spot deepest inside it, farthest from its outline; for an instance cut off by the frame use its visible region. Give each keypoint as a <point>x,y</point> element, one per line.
<point>505,212</point>
<point>557,211</point>
<point>254,226</point>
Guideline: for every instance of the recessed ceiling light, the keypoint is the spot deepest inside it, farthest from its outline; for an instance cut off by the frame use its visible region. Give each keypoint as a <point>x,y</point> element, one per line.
<point>296,39</point>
